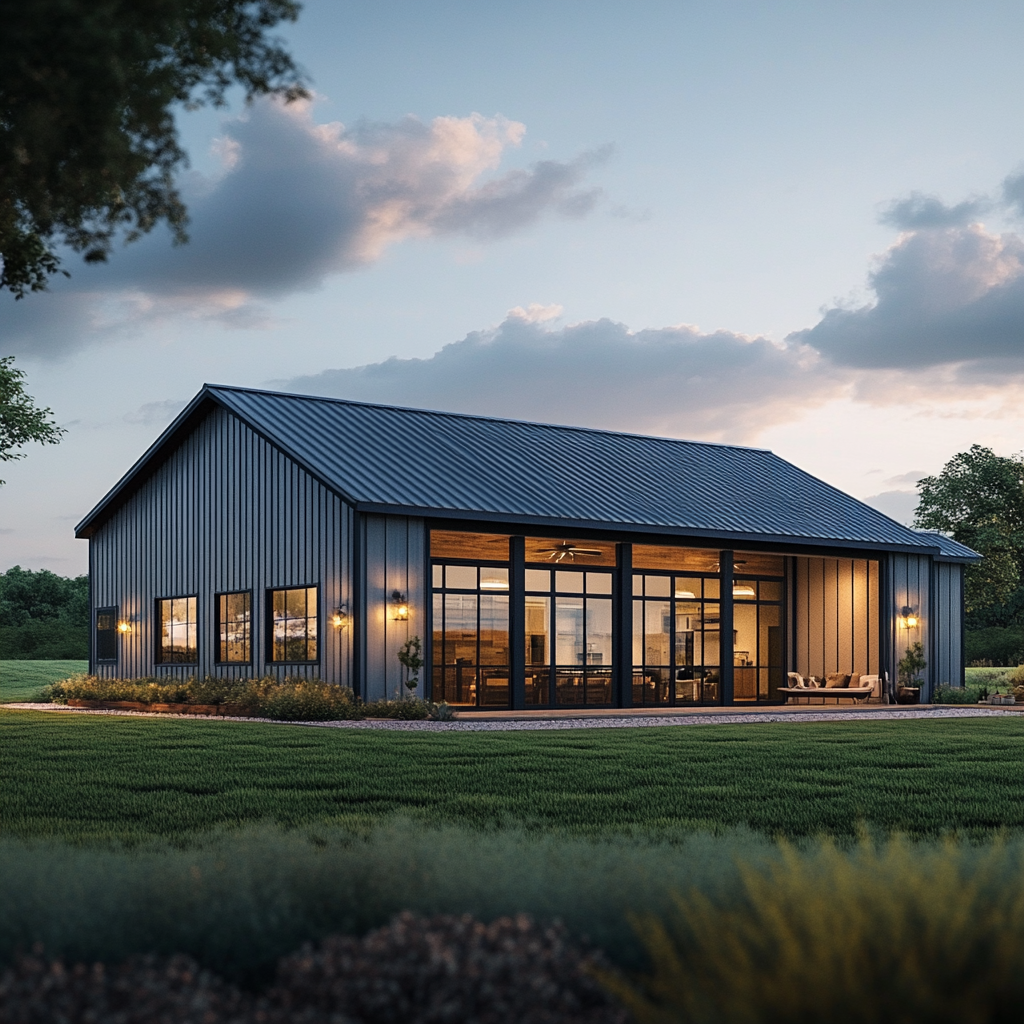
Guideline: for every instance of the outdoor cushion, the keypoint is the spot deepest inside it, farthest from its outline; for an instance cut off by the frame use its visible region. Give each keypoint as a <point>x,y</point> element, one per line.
<point>836,681</point>
<point>855,681</point>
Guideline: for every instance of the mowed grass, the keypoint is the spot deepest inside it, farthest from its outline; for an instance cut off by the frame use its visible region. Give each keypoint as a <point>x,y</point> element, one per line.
<point>22,680</point>
<point>86,778</point>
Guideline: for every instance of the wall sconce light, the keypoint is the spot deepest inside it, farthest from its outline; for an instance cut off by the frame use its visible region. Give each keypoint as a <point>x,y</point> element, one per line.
<point>124,626</point>
<point>339,617</point>
<point>399,606</point>
<point>908,620</point>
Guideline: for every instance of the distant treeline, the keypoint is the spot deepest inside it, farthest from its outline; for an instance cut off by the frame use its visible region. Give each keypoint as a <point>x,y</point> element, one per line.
<point>43,616</point>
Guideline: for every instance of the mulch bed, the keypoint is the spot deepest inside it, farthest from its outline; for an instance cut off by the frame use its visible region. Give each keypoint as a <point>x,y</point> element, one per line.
<point>440,970</point>
<point>234,710</point>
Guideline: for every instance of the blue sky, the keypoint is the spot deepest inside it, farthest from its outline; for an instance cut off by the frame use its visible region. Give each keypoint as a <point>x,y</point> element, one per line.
<point>794,225</point>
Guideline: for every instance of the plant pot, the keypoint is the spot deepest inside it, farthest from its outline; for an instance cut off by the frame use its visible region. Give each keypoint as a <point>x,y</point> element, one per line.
<point>908,695</point>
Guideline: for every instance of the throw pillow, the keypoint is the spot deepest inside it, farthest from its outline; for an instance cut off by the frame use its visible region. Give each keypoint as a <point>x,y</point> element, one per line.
<point>836,680</point>
<point>855,681</point>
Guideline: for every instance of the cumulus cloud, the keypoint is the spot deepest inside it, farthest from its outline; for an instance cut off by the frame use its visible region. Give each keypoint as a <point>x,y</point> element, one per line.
<point>950,295</point>
<point>298,201</point>
<point>673,380</point>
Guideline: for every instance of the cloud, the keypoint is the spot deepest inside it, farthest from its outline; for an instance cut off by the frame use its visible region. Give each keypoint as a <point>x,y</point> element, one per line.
<point>920,211</point>
<point>898,505</point>
<point>158,414</point>
<point>673,380</point>
<point>950,295</point>
<point>296,202</point>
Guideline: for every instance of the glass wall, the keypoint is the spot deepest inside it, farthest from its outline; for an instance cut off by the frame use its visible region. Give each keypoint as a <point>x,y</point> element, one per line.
<point>568,618</point>
<point>676,650</point>
<point>470,649</point>
<point>758,657</point>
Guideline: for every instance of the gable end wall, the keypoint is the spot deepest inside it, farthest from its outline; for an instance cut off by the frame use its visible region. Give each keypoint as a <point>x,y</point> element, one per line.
<point>226,512</point>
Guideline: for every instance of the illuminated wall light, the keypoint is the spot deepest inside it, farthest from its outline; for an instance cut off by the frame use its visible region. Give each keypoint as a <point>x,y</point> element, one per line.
<point>908,620</point>
<point>124,626</point>
<point>399,606</point>
<point>339,618</point>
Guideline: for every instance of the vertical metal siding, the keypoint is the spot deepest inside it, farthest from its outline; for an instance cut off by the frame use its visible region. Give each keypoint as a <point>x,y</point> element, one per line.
<point>394,557</point>
<point>836,612</point>
<point>947,641</point>
<point>226,512</point>
<point>910,588</point>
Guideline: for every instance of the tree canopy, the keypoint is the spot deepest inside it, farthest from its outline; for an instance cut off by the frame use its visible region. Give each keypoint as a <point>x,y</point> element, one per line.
<point>978,498</point>
<point>88,93</point>
<point>43,615</point>
<point>21,421</point>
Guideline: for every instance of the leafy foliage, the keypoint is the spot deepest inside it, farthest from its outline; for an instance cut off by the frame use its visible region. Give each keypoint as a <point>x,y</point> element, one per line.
<point>287,700</point>
<point>21,420</point>
<point>88,89</point>
<point>994,645</point>
<point>978,498</point>
<point>410,658</point>
<point>43,615</point>
<point>895,933</point>
<point>912,664</point>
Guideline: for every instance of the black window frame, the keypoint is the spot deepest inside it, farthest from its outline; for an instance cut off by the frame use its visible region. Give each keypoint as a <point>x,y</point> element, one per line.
<point>159,630</point>
<point>112,610</point>
<point>268,620</point>
<point>441,562</point>
<point>588,672</point>
<point>218,642</point>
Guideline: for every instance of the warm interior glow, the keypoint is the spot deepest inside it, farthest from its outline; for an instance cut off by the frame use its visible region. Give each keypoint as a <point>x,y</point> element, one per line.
<point>494,585</point>
<point>686,595</point>
<point>743,592</point>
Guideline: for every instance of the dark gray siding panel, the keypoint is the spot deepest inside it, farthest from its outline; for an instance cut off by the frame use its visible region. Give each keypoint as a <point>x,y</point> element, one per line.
<point>227,511</point>
<point>394,557</point>
<point>946,638</point>
<point>911,579</point>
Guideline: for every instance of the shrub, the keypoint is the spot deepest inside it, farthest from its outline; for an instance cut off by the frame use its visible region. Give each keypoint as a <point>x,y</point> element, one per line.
<point>945,693</point>
<point>288,700</point>
<point>994,645</point>
<point>890,934</point>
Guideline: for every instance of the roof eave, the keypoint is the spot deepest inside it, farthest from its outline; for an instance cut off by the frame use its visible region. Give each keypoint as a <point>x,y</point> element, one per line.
<point>382,508</point>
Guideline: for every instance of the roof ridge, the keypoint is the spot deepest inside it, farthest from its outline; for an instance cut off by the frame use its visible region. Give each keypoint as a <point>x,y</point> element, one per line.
<point>487,418</point>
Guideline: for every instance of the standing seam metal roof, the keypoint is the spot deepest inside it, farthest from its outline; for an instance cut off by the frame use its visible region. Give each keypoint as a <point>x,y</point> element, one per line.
<point>418,461</point>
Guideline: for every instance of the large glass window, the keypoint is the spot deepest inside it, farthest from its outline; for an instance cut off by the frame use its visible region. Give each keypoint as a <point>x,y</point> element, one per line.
<point>177,631</point>
<point>470,648</point>
<point>676,649</point>
<point>568,617</point>
<point>293,624</point>
<point>106,634</point>
<point>234,627</point>
<point>757,644</point>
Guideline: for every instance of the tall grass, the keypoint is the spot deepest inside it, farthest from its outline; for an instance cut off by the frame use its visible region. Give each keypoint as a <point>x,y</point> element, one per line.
<point>238,901</point>
<point>893,933</point>
<point>25,680</point>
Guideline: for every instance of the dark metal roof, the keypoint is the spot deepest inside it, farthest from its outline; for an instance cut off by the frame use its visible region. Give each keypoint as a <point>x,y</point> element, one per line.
<point>950,550</point>
<point>413,461</point>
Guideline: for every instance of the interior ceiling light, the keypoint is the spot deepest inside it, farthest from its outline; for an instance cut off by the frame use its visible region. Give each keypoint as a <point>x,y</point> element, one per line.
<point>687,595</point>
<point>565,550</point>
<point>743,592</point>
<point>494,585</point>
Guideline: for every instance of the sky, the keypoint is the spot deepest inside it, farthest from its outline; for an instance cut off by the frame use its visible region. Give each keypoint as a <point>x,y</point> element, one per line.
<point>798,226</point>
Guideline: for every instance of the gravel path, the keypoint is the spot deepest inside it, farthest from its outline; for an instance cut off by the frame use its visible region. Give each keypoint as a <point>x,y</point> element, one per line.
<point>878,714</point>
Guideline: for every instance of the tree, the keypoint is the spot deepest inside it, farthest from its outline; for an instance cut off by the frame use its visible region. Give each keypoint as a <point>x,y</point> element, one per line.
<point>21,421</point>
<point>88,91</point>
<point>43,615</point>
<point>978,498</point>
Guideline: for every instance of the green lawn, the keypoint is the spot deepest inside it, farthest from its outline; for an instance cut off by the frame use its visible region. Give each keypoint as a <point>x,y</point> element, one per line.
<point>91,777</point>
<point>22,680</point>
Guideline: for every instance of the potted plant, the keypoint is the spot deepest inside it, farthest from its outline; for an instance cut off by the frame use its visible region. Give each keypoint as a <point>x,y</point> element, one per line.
<point>908,669</point>
<point>410,655</point>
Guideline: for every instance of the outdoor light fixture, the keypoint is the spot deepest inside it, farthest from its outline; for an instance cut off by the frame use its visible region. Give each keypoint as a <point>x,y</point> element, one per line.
<point>399,606</point>
<point>124,626</point>
<point>339,618</point>
<point>907,617</point>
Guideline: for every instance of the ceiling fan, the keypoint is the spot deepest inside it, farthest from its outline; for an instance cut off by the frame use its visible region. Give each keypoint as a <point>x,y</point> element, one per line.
<point>567,550</point>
